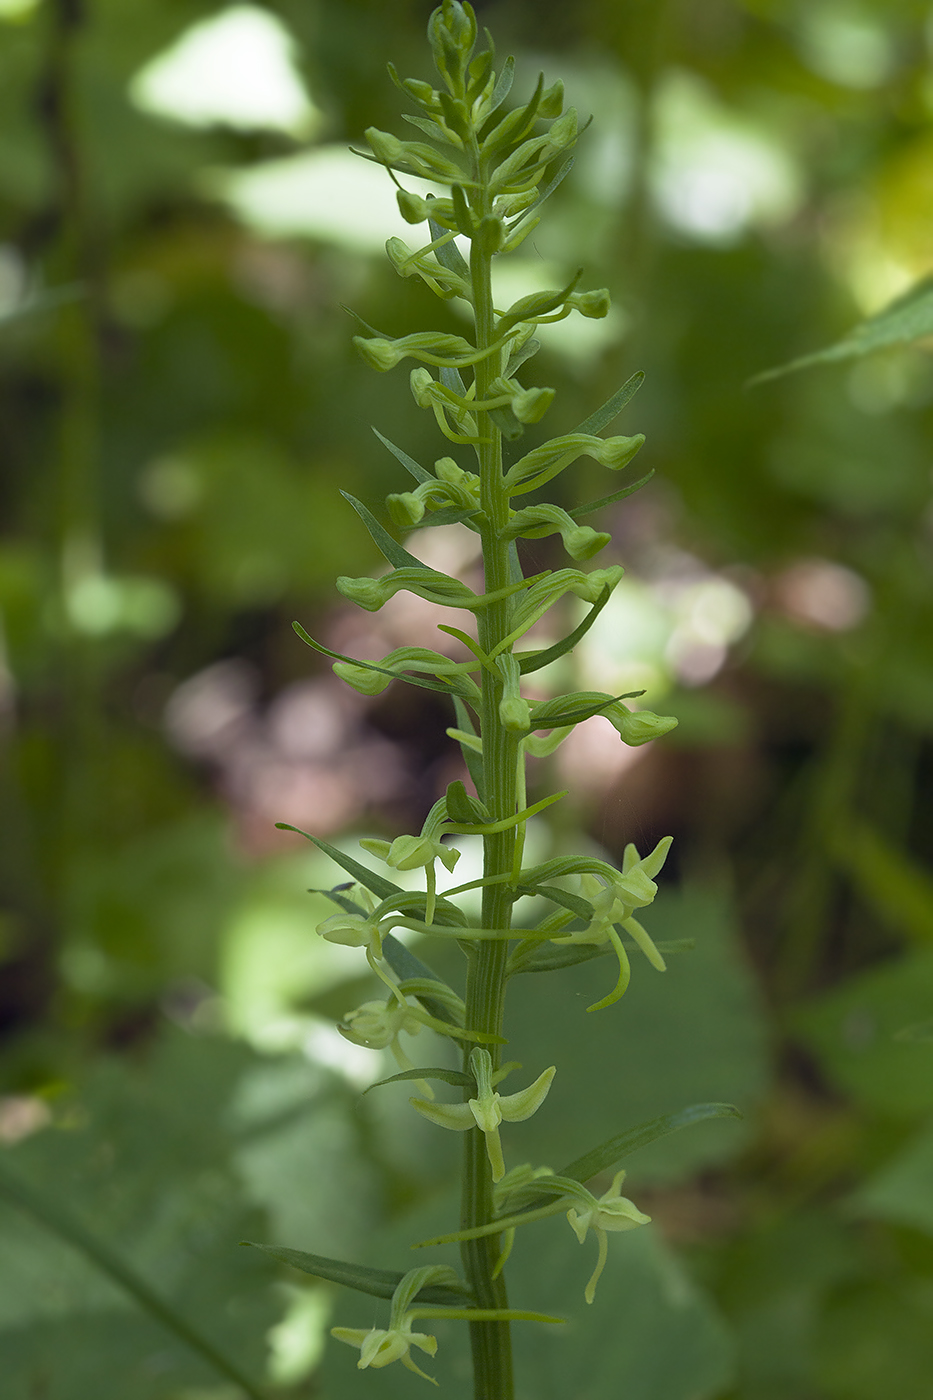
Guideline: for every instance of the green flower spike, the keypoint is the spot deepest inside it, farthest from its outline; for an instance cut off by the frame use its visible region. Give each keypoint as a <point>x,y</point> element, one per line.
<point>489,1108</point>
<point>408,853</point>
<point>614,904</point>
<point>610,1212</point>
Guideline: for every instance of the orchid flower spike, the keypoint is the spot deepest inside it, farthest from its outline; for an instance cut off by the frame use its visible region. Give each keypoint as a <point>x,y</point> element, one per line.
<point>611,1211</point>
<point>489,1108</point>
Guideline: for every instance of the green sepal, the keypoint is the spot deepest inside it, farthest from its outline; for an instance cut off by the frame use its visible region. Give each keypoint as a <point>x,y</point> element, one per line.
<point>461,807</point>
<point>378,1283</point>
<point>508,425</point>
<point>453,686</point>
<point>409,463</point>
<point>472,759</point>
<point>613,406</point>
<point>449,1076</point>
<point>549,715</point>
<point>398,557</point>
<point>579,511</point>
<point>534,660</point>
<point>376,884</point>
<point>614,1149</point>
<point>407,967</point>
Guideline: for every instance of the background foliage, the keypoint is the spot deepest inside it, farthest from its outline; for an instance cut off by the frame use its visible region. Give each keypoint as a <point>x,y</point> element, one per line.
<point>180,403</point>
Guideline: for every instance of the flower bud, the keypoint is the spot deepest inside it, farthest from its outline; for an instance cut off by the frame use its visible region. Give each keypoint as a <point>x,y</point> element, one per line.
<point>368,593</point>
<point>384,146</point>
<point>593,305</point>
<point>530,405</point>
<point>362,678</point>
<point>413,209</point>
<point>421,381</point>
<point>379,354</point>
<point>405,508</point>
<point>641,726</point>
<point>514,714</point>
<point>591,585</point>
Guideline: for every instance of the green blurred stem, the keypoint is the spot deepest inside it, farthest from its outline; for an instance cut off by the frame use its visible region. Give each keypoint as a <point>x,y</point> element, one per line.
<point>485,988</point>
<point>61,1223</point>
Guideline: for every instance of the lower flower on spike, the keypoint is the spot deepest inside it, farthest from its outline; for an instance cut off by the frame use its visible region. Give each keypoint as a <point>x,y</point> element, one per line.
<point>610,1212</point>
<point>379,1347</point>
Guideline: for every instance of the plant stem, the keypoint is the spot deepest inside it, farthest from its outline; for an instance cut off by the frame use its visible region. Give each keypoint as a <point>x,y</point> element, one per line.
<point>485,988</point>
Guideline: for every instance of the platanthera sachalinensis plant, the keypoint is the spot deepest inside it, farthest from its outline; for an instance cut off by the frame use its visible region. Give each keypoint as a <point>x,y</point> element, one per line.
<point>496,167</point>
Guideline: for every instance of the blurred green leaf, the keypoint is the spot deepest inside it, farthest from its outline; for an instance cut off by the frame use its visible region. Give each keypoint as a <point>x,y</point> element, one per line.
<point>908,318</point>
<point>854,1033</point>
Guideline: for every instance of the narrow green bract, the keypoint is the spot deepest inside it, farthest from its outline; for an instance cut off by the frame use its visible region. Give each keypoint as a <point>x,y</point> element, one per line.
<point>496,167</point>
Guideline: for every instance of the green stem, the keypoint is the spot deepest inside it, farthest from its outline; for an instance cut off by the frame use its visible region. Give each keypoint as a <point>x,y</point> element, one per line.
<point>486,976</point>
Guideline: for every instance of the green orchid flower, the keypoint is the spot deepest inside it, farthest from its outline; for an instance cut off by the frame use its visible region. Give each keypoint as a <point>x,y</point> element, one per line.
<point>489,1108</point>
<point>410,852</point>
<point>614,904</point>
<point>611,1211</point>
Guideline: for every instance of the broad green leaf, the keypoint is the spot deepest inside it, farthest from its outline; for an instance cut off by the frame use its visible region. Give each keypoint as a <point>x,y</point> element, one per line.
<point>119,1248</point>
<point>650,1333</point>
<point>409,463</point>
<point>854,1031</point>
<point>398,557</point>
<point>378,1283</point>
<point>49,1211</point>
<point>874,1340</point>
<point>377,884</point>
<point>902,1191</point>
<point>906,319</point>
<point>534,660</point>
<point>899,889</point>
